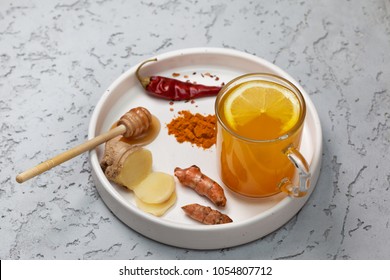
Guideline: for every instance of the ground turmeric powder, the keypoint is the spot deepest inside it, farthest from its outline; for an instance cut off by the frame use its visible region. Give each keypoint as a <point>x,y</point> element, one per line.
<point>196,129</point>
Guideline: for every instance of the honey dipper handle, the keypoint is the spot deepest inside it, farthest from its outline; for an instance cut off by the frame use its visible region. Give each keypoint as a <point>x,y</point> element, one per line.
<point>69,154</point>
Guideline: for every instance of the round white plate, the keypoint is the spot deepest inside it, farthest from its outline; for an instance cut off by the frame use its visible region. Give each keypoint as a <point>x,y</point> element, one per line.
<point>252,218</point>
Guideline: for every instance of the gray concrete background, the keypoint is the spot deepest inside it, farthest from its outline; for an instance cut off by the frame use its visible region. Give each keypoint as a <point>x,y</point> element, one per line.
<point>58,57</point>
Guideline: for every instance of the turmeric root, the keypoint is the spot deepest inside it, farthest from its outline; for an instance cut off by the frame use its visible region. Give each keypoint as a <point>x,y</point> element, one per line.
<point>126,164</point>
<point>205,214</point>
<point>203,185</point>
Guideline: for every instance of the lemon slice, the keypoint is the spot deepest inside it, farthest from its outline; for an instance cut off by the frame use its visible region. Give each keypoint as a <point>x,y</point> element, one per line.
<point>257,105</point>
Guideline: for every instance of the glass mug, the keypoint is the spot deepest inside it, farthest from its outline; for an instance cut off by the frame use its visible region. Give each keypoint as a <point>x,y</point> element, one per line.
<point>256,165</point>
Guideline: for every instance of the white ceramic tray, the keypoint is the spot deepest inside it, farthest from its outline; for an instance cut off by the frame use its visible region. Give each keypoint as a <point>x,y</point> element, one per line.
<point>252,218</point>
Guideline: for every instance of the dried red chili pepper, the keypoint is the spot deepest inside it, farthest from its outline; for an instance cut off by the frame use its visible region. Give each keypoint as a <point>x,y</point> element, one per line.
<point>173,89</point>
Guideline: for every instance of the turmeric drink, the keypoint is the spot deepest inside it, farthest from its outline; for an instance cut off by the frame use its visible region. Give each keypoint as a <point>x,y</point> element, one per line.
<point>260,110</point>
<point>259,117</point>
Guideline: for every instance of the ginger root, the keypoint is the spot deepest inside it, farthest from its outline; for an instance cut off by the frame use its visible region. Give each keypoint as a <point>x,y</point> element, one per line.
<point>126,164</point>
<point>131,166</point>
<point>192,177</point>
<point>205,214</point>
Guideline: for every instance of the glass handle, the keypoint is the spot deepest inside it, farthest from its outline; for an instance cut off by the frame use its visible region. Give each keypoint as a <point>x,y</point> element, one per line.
<point>302,166</point>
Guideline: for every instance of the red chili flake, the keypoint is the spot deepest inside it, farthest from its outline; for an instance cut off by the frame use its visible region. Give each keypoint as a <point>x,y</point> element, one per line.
<point>175,74</point>
<point>186,76</point>
<point>217,78</point>
<point>171,103</point>
<point>208,75</point>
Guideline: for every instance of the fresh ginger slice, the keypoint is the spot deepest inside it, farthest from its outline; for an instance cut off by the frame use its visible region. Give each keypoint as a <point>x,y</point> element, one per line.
<point>156,188</point>
<point>158,209</point>
<point>126,164</point>
<point>136,167</point>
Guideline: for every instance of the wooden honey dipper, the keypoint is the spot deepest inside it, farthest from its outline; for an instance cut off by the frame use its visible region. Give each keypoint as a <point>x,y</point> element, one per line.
<point>132,124</point>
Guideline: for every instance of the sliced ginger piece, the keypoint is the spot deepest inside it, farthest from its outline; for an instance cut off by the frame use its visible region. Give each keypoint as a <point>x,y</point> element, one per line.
<point>158,209</point>
<point>156,188</point>
<point>126,164</point>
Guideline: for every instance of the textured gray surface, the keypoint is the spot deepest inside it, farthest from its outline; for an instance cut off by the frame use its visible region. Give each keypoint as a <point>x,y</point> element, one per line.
<point>58,57</point>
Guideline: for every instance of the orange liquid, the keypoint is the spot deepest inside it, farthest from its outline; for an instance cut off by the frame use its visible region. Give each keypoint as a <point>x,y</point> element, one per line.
<point>261,127</point>
<point>253,168</point>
